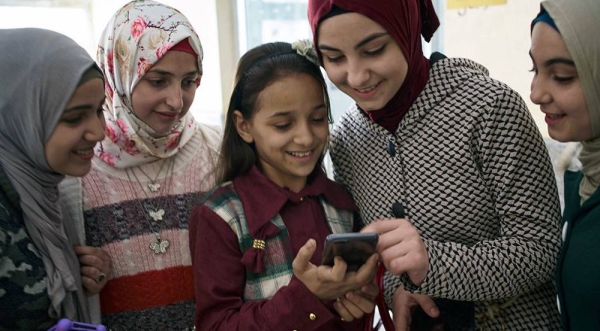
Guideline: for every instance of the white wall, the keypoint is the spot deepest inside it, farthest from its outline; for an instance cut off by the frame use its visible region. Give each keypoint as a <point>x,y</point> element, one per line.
<point>499,38</point>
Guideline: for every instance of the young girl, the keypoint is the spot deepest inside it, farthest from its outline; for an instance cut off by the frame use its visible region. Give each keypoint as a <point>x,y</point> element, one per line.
<point>257,239</point>
<point>566,62</point>
<point>151,169</point>
<point>50,119</point>
<point>459,150</point>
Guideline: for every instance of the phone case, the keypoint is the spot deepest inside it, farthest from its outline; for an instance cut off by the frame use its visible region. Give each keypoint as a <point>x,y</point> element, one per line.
<point>68,325</point>
<point>354,248</point>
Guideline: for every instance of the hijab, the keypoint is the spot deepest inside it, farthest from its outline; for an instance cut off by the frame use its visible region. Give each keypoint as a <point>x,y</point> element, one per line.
<point>135,38</point>
<point>405,21</point>
<point>38,74</point>
<point>577,22</point>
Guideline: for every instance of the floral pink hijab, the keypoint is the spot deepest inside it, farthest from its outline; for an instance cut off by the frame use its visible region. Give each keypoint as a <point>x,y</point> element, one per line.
<point>136,37</point>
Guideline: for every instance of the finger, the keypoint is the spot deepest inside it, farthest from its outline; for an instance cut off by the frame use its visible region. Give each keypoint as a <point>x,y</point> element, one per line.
<point>332,274</point>
<point>366,273</point>
<point>370,290</point>
<point>302,260</point>
<point>380,226</point>
<point>90,285</point>
<point>401,310</point>
<point>343,312</point>
<point>93,261</point>
<point>361,303</point>
<point>90,250</point>
<point>428,305</point>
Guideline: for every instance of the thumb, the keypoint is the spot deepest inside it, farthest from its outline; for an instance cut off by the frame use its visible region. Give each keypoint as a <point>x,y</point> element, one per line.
<point>302,260</point>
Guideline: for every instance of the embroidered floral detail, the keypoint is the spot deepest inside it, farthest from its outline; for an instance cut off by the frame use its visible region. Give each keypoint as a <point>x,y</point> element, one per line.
<point>305,48</point>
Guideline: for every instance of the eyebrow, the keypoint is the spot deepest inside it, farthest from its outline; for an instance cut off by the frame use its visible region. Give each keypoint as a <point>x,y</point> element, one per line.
<point>166,73</point>
<point>363,42</point>
<point>287,113</point>
<point>83,107</point>
<point>556,60</point>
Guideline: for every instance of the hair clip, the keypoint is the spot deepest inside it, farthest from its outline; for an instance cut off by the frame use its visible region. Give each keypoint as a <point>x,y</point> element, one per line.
<point>305,48</point>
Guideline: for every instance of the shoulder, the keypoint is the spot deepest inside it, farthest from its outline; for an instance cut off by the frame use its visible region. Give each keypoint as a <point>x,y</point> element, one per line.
<point>221,196</point>
<point>212,135</point>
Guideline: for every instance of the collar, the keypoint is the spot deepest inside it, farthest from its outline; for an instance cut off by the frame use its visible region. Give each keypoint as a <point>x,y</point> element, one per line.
<point>263,199</point>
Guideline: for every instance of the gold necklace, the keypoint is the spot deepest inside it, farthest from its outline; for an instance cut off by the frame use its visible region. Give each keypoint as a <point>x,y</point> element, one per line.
<point>160,245</point>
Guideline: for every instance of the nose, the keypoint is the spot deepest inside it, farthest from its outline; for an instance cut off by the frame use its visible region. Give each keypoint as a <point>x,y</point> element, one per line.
<point>358,73</point>
<point>304,135</point>
<point>174,98</point>
<point>96,129</point>
<point>539,93</point>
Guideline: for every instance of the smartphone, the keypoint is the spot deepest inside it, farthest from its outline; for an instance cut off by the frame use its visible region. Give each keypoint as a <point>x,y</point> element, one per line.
<point>354,248</point>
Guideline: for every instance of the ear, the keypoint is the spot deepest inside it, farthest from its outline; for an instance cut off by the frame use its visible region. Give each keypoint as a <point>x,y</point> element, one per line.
<point>242,126</point>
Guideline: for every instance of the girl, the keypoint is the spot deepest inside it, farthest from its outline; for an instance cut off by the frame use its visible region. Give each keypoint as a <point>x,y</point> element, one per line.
<point>151,169</point>
<point>274,204</point>
<point>459,151</point>
<point>50,120</point>
<point>566,85</point>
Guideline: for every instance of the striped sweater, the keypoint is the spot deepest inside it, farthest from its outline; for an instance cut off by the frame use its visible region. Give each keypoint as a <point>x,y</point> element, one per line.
<point>148,291</point>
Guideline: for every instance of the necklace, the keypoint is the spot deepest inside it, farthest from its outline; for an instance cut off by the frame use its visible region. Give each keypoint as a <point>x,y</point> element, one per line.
<point>160,245</point>
<point>153,186</point>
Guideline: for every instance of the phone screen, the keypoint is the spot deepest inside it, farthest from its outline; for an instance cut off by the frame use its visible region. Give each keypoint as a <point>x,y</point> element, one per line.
<point>354,248</point>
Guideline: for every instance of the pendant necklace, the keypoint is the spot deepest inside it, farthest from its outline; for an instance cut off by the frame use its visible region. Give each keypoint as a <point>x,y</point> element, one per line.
<point>153,186</point>
<point>159,246</point>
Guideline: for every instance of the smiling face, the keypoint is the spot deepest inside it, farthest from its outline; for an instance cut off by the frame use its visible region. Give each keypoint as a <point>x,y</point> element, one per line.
<point>289,129</point>
<point>362,59</point>
<point>69,150</point>
<point>556,86</point>
<point>166,92</point>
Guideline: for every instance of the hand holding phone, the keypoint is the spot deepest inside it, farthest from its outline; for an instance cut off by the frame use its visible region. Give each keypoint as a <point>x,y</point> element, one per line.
<point>354,248</point>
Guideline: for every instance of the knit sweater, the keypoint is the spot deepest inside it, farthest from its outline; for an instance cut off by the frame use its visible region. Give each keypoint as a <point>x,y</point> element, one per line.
<point>473,174</point>
<point>148,290</point>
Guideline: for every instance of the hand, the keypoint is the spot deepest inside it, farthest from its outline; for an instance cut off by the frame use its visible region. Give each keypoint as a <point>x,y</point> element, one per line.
<point>95,268</point>
<point>401,248</point>
<point>356,304</point>
<point>404,304</point>
<point>330,283</point>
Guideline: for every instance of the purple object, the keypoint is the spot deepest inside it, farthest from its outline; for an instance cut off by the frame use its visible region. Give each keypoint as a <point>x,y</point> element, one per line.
<point>68,325</point>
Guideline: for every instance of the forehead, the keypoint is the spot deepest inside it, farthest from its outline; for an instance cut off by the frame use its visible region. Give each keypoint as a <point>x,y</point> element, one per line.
<point>347,26</point>
<point>547,42</point>
<point>290,93</point>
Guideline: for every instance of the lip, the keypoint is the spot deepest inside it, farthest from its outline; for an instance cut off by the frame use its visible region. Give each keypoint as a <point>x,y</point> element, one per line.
<point>85,157</point>
<point>369,94</point>
<point>551,119</point>
<point>302,158</point>
<point>167,116</point>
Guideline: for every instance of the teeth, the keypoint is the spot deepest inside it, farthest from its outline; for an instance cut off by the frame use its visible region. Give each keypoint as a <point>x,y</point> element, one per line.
<point>84,151</point>
<point>369,89</point>
<point>554,116</point>
<point>300,154</point>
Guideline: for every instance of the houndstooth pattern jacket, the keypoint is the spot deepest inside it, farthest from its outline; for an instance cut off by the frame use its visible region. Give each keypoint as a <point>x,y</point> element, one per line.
<point>473,174</point>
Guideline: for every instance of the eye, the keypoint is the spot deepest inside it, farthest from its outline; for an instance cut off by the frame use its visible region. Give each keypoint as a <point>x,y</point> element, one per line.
<point>189,82</point>
<point>334,59</point>
<point>282,126</point>
<point>319,119</point>
<point>376,51</point>
<point>564,79</point>
<point>157,82</point>
<point>72,120</point>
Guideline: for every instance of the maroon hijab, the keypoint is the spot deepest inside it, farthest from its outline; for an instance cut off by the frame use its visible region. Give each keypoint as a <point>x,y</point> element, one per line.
<point>406,21</point>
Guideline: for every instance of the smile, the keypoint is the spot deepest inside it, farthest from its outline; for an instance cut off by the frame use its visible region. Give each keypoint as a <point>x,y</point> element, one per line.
<point>85,151</point>
<point>298,154</point>
<point>368,89</point>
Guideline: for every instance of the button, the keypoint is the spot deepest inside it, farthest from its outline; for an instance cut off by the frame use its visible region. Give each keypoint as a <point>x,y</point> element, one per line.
<point>558,303</point>
<point>302,199</point>
<point>564,231</point>
<point>312,316</point>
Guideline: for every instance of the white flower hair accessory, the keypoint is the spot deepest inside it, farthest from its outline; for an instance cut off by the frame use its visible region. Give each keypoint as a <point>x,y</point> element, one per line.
<point>305,48</point>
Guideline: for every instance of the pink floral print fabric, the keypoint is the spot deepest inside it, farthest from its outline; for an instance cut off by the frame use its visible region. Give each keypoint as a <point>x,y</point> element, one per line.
<point>136,37</point>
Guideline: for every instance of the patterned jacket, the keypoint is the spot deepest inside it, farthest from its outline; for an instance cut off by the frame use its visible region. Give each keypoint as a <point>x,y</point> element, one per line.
<point>278,249</point>
<point>24,300</point>
<point>472,171</point>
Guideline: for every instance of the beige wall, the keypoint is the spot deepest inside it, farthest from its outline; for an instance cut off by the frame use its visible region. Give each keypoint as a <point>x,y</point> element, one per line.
<point>497,37</point>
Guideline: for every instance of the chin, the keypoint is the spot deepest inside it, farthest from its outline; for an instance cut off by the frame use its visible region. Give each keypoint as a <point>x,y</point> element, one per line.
<point>79,171</point>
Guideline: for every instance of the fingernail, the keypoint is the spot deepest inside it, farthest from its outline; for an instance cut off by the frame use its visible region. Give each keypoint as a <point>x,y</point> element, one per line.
<point>349,295</point>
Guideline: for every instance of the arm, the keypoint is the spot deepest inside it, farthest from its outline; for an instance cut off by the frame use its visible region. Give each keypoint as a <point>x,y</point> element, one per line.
<point>220,281</point>
<point>516,168</point>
